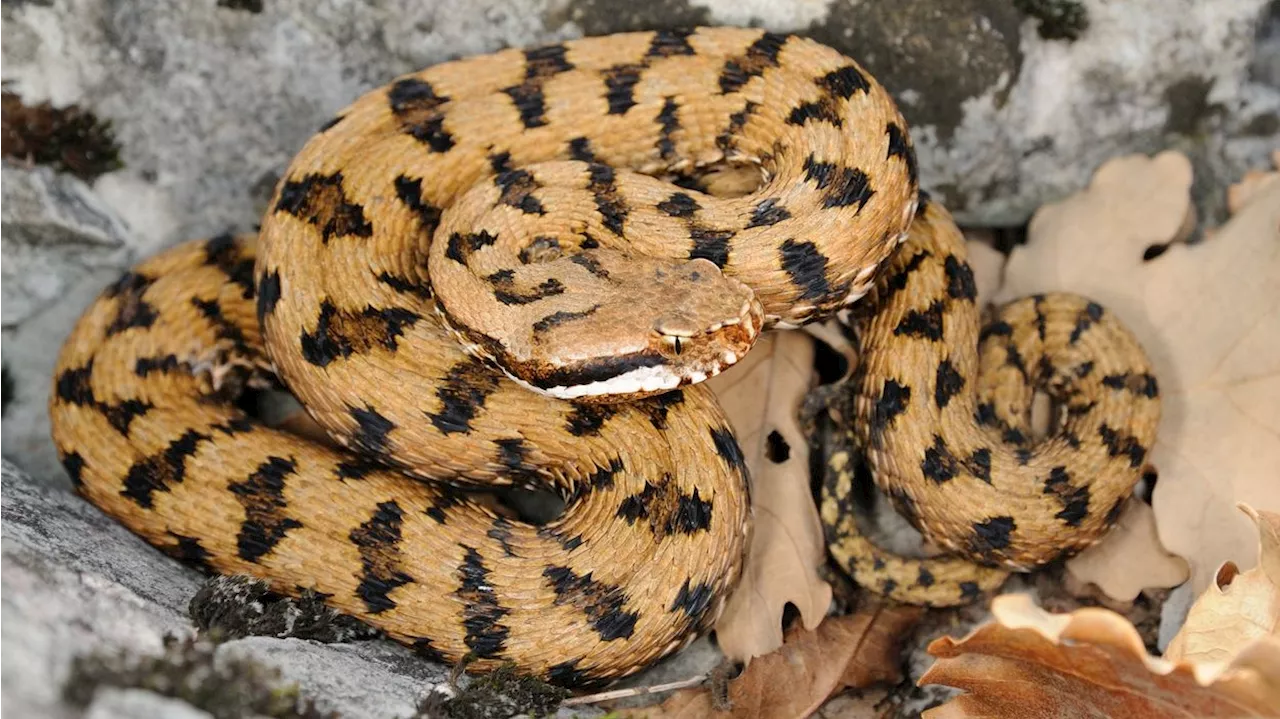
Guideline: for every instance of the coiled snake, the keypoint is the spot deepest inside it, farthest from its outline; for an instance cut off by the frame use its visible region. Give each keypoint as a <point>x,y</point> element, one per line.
<point>530,211</point>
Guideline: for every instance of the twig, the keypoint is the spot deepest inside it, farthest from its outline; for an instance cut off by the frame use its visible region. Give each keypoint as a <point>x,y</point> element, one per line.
<point>634,691</point>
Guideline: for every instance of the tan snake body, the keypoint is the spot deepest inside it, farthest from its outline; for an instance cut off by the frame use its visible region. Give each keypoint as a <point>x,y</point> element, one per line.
<point>942,413</point>
<point>449,242</point>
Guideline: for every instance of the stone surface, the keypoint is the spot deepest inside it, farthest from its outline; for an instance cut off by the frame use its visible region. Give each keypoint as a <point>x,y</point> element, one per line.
<point>208,102</point>
<point>47,219</point>
<point>62,243</point>
<point>75,582</point>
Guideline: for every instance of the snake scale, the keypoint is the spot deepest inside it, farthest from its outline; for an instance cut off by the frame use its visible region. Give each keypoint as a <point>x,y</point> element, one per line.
<point>531,220</point>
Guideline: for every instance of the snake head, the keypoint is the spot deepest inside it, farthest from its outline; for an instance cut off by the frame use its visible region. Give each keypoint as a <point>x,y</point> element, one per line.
<point>705,321</point>
<point>629,327</point>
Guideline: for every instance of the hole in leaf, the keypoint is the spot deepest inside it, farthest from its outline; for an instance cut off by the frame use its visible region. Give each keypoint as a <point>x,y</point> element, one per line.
<point>1149,478</point>
<point>1153,251</point>
<point>1226,573</point>
<point>776,448</point>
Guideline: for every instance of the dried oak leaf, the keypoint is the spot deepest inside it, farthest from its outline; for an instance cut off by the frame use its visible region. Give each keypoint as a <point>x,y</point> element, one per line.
<point>1252,184</point>
<point>1133,542</point>
<point>856,650</point>
<point>761,396</point>
<point>1029,663</point>
<point>1238,609</point>
<point>1208,315</point>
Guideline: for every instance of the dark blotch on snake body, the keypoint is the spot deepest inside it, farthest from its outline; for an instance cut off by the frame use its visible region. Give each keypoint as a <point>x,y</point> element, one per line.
<point>679,204</point>
<point>322,201</point>
<point>923,324</point>
<point>268,294</point>
<point>262,496</point>
<point>669,123</point>
<point>382,571</point>
<point>462,395</point>
<point>710,245</point>
<point>807,267</point>
<point>900,147</point>
<point>620,84</point>
<point>409,191</point>
<point>992,535</point>
<point>157,472</point>
<point>939,465</point>
<point>768,212</point>
<point>667,43</point>
<point>727,447</point>
<point>418,107</point>
<point>603,603</point>
<point>587,419</point>
<point>482,614</point>
<point>947,383</point>
<point>762,55</point>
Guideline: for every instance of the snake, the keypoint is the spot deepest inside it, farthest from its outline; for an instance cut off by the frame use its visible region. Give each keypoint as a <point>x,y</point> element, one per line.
<point>498,272</point>
<point>942,417</point>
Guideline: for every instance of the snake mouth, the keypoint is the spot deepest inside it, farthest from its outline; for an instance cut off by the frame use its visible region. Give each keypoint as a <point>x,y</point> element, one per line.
<point>633,384</point>
<point>675,360</point>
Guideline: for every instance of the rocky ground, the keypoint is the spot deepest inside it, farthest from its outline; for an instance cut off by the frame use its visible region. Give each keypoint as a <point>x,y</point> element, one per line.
<point>1011,104</point>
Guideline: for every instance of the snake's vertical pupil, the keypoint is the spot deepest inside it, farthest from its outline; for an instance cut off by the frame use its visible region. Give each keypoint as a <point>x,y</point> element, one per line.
<point>677,345</point>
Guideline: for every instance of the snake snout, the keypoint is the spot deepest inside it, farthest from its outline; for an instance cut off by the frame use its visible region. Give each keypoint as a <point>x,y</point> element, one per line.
<point>708,322</point>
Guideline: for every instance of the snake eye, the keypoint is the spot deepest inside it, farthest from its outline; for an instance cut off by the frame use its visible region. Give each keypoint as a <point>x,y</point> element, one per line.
<point>675,343</point>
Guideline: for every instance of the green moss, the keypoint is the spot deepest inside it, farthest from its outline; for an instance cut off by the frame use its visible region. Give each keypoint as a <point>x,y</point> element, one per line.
<point>228,689</point>
<point>499,694</point>
<point>68,139</point>
<point>243,606</point>
<point>1059,19</point>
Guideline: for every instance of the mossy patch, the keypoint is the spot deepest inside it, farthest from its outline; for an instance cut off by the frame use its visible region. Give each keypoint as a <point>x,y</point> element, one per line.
<point>1189,106</point>
<point>227,688</point>
<point>253,6</point>
<point>499,694</point>
<point>242,606</point>
<point>943,53</point>
<point>69,139</point>
<point>7,389</point>
<point>601,17</point>
<point>1059,19</point>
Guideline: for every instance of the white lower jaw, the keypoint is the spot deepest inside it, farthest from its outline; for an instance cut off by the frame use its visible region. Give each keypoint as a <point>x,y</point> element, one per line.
<point>644,379</point>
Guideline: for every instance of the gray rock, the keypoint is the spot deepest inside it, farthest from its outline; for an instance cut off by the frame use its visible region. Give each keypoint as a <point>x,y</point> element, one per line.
<point>75,582</point>
<point>399,679</point>
<point>140,704</point>
<point>62,244</point>
<point>56,230</point>
<point>209,102</point>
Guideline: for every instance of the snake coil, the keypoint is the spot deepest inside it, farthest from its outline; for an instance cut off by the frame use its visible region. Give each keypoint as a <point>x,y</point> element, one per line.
<point>499,272</point>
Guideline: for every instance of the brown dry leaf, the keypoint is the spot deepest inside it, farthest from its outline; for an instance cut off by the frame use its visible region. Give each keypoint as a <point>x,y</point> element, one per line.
<point>986,262</point>
<point>1134,542</point>
<point>1209,317</point>
<point>1237,609</point>
<point>761,396</point>
<point>855,650</point>
<point>1252,185</point>
<point>1029,663</point>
